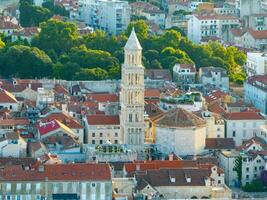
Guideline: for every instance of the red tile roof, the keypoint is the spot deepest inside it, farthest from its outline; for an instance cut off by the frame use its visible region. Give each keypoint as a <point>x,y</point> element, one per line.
<point>7,97</point>
<point>103,119</point>
<point>220,143</point>
<point>59,172</point>
<point>64,119</point>
<point>103,97</point>
<point>152,93</point>
<point>215,95</point>
<point>14,122</point>
<point>243,116</point>
<point>47,127</point>
<point>258,34</point>
<point>158,164</point>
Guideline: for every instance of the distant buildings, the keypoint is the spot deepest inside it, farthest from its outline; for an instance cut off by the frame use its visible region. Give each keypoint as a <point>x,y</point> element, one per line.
<point>110,16</point>
<point>201,26</point>
<point>255,92</point>
<point>184,74</point>
<point>256,63</point>
<point>215,77</point>
<point>242,126</point>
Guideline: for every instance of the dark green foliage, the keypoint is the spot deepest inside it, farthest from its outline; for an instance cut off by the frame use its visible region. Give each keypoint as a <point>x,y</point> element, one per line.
<point>255,186</point>
<point>81,57</point>
<point>25,62</point>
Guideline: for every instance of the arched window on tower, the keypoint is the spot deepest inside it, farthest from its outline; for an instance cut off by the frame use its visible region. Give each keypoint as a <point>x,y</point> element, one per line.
<point>136,118</point>
<point>130,118</point>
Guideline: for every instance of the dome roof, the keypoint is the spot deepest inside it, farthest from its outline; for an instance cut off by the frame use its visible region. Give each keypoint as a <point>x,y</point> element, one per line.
<point>180,117</point>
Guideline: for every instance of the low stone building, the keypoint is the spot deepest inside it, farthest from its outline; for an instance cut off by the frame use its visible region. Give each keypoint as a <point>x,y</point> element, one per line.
<point>214,77</point>
<point>183,183</point>
<point>181,132</point>
<point>184,74</point>
<point>78,181</point>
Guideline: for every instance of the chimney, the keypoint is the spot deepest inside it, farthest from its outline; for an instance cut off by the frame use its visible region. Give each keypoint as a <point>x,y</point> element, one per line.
<point>137,167</point>
<point>171,157</point>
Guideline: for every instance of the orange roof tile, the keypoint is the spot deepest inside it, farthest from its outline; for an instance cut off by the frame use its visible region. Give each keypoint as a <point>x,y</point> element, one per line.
<point>103,119</point>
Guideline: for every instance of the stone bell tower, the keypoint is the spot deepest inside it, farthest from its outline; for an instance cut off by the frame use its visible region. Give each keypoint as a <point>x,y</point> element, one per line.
<point>132,94</point>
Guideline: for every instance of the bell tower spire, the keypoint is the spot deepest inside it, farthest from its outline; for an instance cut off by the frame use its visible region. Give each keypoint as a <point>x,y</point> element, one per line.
<point>132,93</point>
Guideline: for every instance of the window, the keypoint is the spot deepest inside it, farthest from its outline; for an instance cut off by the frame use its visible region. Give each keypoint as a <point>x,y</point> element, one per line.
<point>116,141</point>
<point>219,181</point>
<point>234,133</point>
<point>247,169</point>
<point>18,187</point>
<point>101,134</point>
<point>255,175</point>
<point>93,141</point>
<point>116,134</point>
<point>100,141</point>
<point>93,134</point>
<point>130,118</point>
<point>247,176</point>
<point>93,184</point>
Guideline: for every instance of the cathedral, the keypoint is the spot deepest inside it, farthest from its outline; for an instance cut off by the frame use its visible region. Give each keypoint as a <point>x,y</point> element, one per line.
<point>132,94</point>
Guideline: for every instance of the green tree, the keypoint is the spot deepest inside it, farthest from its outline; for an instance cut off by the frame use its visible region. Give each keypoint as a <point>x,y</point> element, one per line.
<point>91,74</point>
<point>31,15</point>
<point>25,62</point>
<point>66,71</point>
<point>2,44</point>
<point>57,36</point>
<point>238,168</point>
<point>140,27</point>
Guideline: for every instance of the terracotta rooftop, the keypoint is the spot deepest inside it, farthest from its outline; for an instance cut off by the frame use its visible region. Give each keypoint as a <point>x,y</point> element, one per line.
<point>262,34</point>
<point>220,143</point>
<point>14,122</point>
<point>64,119</point>
<point>259,81</point>
<point>180,117</point>
<point>59,172</point>
<point>243,116</point>
<point>103,119</point>
<point>52,125</point>
<point>98,97</point>
<point>152,93</point>
<point>7,97</point>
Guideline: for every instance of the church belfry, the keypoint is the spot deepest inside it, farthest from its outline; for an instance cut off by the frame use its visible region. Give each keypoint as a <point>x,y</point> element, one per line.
<point>132,93</point>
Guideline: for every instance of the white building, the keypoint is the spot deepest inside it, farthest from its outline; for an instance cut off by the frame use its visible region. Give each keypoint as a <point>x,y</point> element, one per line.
<point>242,126</point>
<point>227,162</point>
<point>132,94</point>
<point>45,97</point>
<point>215,77</point>
<point>255,92</point>
<point>101,129</point>
<point>184,74</point>
<point>181,132</point>
<point>254,39</point>
<point>256,63</point>
<point>111,16</point>
<point>13,145</point>
<point>8,100</point>
<point>202,26</point>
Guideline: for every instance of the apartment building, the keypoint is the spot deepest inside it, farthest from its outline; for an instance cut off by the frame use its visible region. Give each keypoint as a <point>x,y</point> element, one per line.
<point>256,63</point>
<point>210,25</point>
<point>255,92</point>
<point>111,16</point>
